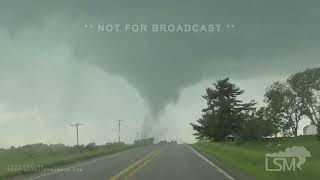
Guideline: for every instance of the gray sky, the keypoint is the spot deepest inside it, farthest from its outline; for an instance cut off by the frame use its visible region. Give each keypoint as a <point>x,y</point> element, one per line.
<point>54,71</point>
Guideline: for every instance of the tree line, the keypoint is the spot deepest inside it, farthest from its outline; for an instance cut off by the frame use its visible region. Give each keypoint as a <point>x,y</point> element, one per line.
<point>286,104</point>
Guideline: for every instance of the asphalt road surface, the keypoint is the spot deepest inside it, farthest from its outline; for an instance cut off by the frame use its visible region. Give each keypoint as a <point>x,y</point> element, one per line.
<point>156,162</point>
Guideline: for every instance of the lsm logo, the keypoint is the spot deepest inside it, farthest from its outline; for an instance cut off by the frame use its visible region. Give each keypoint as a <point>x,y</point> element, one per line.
<point>289,160</point>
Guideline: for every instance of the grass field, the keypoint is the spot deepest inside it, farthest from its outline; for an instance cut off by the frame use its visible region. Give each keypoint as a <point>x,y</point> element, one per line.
<point>249,157</point>
<point>48,157</point>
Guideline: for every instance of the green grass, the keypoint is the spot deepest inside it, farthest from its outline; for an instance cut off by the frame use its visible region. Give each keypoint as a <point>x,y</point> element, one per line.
<point>249,157</point>
<point>49,157</point>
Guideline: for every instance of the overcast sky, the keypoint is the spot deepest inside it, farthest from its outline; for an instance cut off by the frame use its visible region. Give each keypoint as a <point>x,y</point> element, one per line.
<point>57,69</point>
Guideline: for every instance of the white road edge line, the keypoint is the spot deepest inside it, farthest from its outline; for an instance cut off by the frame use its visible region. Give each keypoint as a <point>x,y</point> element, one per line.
<point>74,166</point>
<point>211,163</point>
<point>55,172</point>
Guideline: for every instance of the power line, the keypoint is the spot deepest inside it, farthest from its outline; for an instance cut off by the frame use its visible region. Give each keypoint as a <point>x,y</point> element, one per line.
<point>77,130</point>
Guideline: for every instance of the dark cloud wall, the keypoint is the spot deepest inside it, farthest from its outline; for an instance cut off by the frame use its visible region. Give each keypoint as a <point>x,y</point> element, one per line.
<point>268,37</point>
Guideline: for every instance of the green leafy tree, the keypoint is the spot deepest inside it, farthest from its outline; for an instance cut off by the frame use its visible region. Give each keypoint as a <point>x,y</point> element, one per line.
<point>274,99</point>
<point>285,108</point>
<point>257,125</point>
<point>306,85</point>
<point>293,110</point>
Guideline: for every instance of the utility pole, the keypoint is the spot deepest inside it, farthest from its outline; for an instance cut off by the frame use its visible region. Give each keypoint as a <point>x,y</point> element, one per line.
<point>119,125</point>
<point>138,135</point>
<point>77,130</point>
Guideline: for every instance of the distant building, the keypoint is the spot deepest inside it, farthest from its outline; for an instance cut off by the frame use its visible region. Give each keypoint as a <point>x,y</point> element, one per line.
<point>162,142</point>
<point>229,137</point>
<point>146,141</point>
<point>232,137</point>
<point>310,130</point>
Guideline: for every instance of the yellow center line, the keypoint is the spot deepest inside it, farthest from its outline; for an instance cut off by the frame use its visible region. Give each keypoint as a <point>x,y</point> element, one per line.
<point>132,166</point>
<point>135,170</point>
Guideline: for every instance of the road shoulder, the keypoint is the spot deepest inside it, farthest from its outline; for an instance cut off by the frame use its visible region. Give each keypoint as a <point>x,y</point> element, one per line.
<point>231,170</point>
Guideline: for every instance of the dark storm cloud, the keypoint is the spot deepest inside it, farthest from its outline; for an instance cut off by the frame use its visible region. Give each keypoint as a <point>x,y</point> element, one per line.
<point>268,35</point>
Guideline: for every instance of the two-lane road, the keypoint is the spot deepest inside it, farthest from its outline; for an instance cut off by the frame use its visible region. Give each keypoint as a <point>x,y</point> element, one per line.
<point>163,162</point>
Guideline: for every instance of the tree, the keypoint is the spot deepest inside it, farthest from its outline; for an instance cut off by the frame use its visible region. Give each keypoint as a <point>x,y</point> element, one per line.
<point>293,110</point>
<point>285,108</point>
<point>306,85</point>
<point>224,115</point>
<point>274,98</point>
<point>257,125</point>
